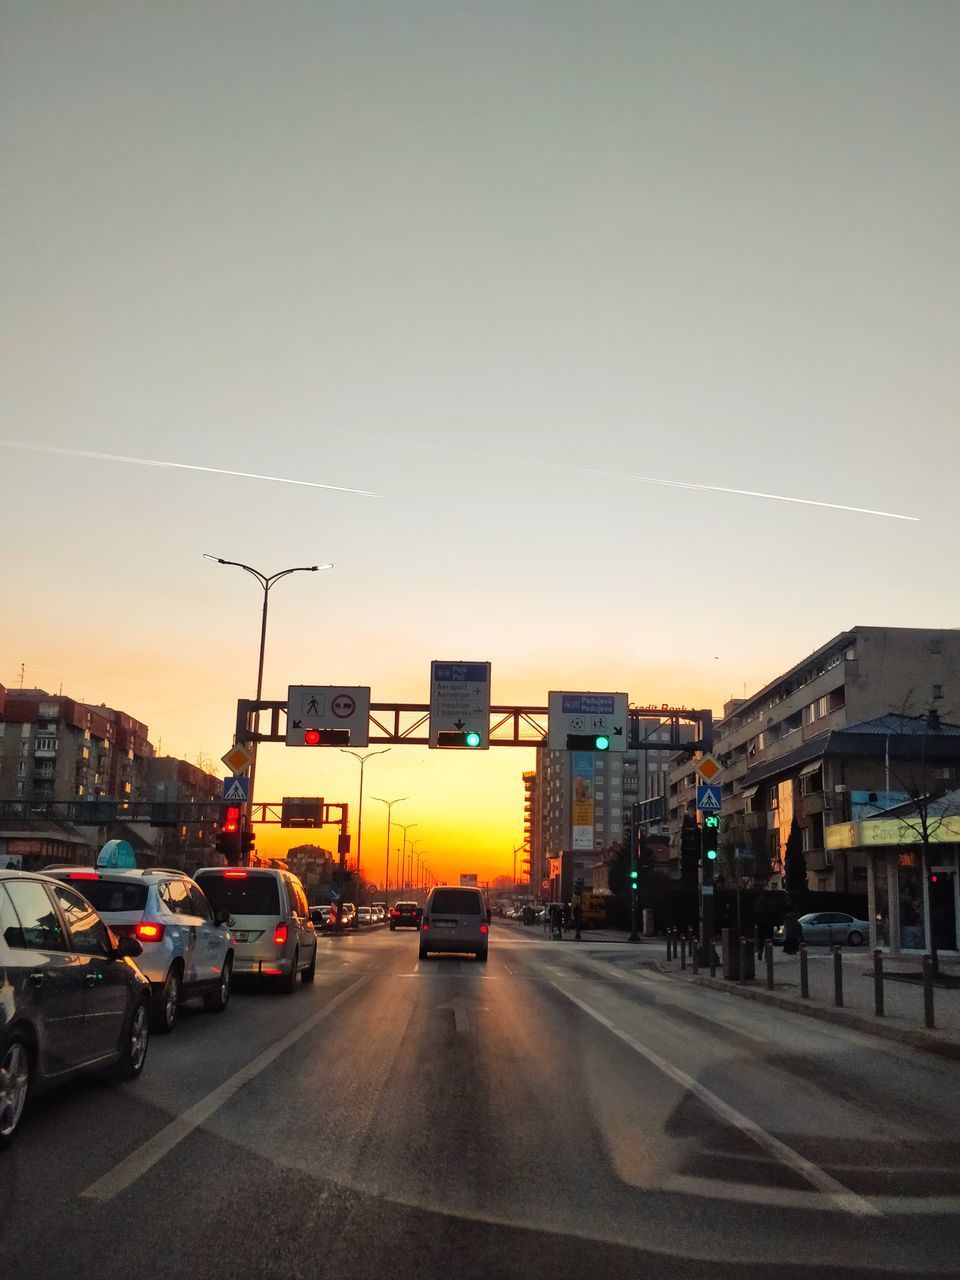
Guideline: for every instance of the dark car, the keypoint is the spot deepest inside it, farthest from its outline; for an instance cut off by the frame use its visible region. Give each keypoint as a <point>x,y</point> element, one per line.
<point>406,915</point>
<point>71,997</point>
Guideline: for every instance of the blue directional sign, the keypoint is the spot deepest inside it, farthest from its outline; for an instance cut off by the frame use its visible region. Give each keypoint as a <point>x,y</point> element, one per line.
<point>708,799</point>
<point>236,789</point>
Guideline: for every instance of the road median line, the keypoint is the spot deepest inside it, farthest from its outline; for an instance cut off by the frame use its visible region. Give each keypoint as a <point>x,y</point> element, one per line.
<point>149,1153</point>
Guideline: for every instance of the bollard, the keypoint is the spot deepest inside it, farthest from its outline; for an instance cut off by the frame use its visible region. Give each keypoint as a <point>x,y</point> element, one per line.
<point>669,957</point>
<point>695,955</point>
<point>928,991</point>
<point>742,967</point>
<point>768,957</point>
<point>683,951</point>
<point>804,974</point>
<point>838,977</point>
<point>878,983</point>
<point>713,957</point>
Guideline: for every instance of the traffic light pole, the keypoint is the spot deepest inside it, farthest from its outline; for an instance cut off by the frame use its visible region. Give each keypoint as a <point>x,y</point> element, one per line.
<point>634,873</point>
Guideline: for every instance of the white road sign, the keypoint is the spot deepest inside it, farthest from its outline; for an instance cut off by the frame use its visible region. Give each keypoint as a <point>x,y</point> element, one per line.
<point>460,700</point>
<point>587,715</point>
<point>328,706</point>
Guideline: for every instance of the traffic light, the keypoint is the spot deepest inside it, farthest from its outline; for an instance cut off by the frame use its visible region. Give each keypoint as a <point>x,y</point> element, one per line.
<point>326,737</point>
<point>634,877</point>
<point>459,738</point>
<point>578,886</point>
<point>711,832</point>
<point>228,839</point>
<point>247,841</point>
<point>588,742</point>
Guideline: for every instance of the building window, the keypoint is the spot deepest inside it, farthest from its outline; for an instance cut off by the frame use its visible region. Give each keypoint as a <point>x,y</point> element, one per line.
<point>938,691</point>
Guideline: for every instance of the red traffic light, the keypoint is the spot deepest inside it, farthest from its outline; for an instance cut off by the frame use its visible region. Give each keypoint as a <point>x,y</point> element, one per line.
<point>231,819</point>
<point>311,737</point>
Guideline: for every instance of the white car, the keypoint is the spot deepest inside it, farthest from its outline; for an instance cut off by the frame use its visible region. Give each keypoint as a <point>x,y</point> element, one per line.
<point>365,915</point>
<point>187,950</point>
<point>274,934</point>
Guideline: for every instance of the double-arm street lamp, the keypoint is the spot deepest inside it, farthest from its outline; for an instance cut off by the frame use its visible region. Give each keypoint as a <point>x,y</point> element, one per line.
<point>266,581</point>
<point>413,845</point>
<point>386,869</point>
<point>357,755</point>
<point>404,827</point>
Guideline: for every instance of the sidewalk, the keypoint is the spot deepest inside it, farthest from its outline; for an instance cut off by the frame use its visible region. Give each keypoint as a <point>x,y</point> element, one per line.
<point>903,1018</point>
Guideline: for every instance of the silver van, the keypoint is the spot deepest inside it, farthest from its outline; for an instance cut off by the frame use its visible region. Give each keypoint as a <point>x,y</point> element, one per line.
<point>269,921</point>
<point>455,920</point>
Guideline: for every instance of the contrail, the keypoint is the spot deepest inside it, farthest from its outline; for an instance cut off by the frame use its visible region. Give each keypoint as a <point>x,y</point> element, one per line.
<point>182,466</point>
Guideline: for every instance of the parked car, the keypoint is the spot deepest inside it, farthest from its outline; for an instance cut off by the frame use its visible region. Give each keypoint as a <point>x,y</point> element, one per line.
<point>186,951</point>
<point>834,928</point>
<point>405,915</point>
<point>71,997</point>
<point>455,920</point>
<point>323,916</point>
<point>269,919</point>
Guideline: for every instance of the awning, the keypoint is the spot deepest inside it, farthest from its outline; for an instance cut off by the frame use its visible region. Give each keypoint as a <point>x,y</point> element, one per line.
<point>813,767</point>
<point>749,792</point>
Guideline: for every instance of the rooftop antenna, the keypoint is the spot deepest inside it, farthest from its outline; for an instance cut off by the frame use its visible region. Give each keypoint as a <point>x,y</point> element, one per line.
<point>22,669</point>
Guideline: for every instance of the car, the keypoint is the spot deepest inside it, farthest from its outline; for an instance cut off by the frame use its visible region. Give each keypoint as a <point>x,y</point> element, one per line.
<point>323,916</point>
<point>269,919</point>
<point>834,928</point>
<point>71,997</point>
<point>455,919</point>
<point>187,950</point>
<point>364,915</point>
<point>380,911</point>
<point>405,915</point>
<point>348,916</point>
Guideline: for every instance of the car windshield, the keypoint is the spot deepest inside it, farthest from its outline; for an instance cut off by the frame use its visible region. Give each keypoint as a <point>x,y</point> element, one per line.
<point>113,895</point>
<point>456,902</point>
<point>251,895</point>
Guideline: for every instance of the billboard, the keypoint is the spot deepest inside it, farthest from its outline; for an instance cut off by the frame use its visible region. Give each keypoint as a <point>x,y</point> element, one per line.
<point>581,800</point>
<point>468,880</point>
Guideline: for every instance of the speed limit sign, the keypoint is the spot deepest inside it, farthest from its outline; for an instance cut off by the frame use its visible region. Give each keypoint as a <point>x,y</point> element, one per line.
<point>544,884</point>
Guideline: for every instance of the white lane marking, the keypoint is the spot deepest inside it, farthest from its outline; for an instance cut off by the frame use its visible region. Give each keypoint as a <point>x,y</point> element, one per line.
<point>140,1161</point>
<point>839,1195</point>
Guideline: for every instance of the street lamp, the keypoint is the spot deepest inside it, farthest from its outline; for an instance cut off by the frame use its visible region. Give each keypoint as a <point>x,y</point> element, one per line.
<point>386,870</point>
<point>363,760</point>
<point>413,845</point>
<point>266,582</point>
<point>403,856</point>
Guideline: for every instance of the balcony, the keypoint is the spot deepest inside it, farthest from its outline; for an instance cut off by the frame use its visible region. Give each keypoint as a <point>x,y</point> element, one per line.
<point>755,821</point>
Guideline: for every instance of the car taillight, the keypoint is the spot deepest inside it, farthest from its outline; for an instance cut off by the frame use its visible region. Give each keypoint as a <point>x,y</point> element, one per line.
<point>280,934</point>
<point>425,928</point>
<point>235,873</point>
<point>83,875</point>
<point>147,932</point>
<point>483,928</point>
<point>394,913</point>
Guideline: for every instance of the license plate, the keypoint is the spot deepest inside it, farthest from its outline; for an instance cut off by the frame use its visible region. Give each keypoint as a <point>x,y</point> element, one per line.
<point>445,925</point>
<point>240,935</point>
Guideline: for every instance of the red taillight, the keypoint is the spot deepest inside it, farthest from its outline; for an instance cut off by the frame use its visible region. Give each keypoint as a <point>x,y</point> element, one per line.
<point>394,913</point>
<point>483,928</point>
<point>147,932</point>
<point>424,928</point>
<point>280,935</point>
<point>83,875</point>
<point>235,873</point>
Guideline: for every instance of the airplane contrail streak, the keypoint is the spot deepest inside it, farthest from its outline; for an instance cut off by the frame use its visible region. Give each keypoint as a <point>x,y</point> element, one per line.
<point>182,466</point>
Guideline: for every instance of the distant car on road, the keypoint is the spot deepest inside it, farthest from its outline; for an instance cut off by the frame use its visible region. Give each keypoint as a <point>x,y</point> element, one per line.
<point>455,920</point>
<point>832,928</point>
<point>364,915</point>
<point>187,950</point>
<point>405,915</point>
<point>71,997</point>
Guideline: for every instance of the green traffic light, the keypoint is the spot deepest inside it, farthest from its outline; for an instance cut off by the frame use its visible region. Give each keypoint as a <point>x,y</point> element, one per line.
<point>711,820</point>
<point>603,743</point>
<point>473,738</point>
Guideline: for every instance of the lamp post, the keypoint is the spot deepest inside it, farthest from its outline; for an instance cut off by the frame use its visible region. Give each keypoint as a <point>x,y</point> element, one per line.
<point>386,869</point>
<point>363,760</point>
<point>266,581</point>
<point>404,827</point>
<point>413,846</point>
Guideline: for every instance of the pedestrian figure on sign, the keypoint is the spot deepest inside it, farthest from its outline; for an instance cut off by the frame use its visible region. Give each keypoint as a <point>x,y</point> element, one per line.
<point>312,708</point>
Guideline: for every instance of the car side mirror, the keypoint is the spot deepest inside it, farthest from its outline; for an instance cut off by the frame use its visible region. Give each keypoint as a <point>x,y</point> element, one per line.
<point>221,917</point>
<point>128,948</point>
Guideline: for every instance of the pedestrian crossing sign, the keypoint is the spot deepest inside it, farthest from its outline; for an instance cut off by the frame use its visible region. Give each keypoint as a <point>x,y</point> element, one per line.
<point>235,789</point>
<point>708,799</point>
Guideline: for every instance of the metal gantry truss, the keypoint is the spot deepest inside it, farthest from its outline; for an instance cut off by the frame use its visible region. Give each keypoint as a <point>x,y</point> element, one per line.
<point>396,723</point>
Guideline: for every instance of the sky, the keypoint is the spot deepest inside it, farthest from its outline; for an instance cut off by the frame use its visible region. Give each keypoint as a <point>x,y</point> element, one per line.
<point>489,263</point>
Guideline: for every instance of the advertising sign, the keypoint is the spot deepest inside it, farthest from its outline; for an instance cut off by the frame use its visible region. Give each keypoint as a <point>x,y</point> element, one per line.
<point>581,800</point>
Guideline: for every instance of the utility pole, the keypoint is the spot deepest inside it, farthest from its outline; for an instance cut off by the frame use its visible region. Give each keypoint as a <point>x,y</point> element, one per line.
<point>634,836</point>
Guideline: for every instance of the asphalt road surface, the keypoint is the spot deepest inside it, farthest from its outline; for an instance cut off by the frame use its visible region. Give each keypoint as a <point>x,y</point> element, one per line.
<point>559,1112</point>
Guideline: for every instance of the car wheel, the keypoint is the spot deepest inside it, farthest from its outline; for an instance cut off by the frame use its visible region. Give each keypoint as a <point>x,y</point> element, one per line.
<point>134,1043</point>
<point>392,927</point>
<point>855,938</point>
<point>423,952</point>
<point>14,1085</point>
<point>217,1001</point>
<point>166,1004</point>
<point>482,956</point>
<point>288,982</point>
<point>309,974</point>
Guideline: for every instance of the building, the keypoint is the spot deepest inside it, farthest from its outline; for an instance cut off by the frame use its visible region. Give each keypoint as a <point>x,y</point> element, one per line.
<point>578,799</point>
<point>834,740</point>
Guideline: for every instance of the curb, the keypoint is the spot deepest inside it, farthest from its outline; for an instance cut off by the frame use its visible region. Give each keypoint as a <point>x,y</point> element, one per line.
<point>927,1040</point>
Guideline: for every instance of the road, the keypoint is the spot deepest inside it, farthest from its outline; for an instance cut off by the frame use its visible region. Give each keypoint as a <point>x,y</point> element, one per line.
<point>560,1111</point>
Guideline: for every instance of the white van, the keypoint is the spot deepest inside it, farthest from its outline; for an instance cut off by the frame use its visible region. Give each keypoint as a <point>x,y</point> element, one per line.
<point>269,920</point>
<point>455,920</point>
